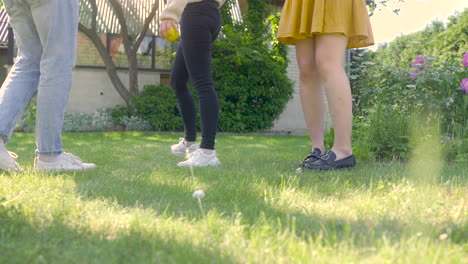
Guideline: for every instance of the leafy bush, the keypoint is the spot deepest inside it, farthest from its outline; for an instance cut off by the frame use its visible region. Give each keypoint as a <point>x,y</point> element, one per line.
<point>136,123</point>
<point>157,105</point>
<point>250,71</point>
<point>118,113</point>
<point>389,98</point>
<point>87,122</point>
<point>415,76</point>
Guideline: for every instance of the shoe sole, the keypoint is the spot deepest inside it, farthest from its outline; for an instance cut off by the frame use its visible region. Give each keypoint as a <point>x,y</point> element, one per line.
<point>209,165</point>
<point>18,169</point>
<point>63,170</point>
<point>344,167</point>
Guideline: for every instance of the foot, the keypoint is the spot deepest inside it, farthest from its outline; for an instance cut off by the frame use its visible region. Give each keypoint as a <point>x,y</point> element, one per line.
<point>7,161</point>
<point>182,150</point>
<point>200,159</point>
<point>65,162</point>
<point>312,157</point>
<point>328,161</point>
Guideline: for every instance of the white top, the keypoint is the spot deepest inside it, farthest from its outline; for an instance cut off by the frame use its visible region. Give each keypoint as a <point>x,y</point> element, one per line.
<point>174,8</point>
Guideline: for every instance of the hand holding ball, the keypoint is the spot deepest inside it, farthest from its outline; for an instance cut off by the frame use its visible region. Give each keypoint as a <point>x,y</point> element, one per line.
<point>172,34</point>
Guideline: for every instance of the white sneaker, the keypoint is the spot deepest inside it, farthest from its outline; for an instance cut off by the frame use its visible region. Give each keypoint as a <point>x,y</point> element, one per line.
<point>66,162</point>
<point>200,159</point>
<point>7,161</point>
<point>181,150</point>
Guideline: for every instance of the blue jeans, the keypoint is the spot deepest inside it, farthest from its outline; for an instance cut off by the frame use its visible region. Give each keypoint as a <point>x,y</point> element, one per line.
<point>46,35</point>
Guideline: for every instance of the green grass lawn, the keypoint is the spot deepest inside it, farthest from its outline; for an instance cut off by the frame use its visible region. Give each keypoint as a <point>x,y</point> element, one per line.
<point>137,207</point>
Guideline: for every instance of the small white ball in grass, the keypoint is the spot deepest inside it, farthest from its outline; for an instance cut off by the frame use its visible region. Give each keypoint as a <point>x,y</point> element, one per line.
<point>198,194</point>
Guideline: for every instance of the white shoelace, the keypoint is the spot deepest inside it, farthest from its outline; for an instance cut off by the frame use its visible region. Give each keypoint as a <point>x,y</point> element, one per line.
<point>195,155</point>
<point>72,158</point>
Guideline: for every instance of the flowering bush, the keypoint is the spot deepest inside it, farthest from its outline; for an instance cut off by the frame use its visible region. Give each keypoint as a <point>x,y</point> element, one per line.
<point>420,63</point>
<point>387,97</point>
<point>464,85</point>
<point>465,60</point>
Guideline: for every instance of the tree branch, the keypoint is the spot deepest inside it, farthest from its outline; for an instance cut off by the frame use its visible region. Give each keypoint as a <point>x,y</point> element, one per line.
<point>94,15</point>
<point>146,25</point>
<point>123,24</point>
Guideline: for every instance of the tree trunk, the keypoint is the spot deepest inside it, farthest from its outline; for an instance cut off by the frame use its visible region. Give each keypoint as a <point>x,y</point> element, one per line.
<point>133,74</point>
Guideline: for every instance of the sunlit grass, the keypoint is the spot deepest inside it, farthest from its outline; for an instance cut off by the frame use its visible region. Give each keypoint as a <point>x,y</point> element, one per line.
<point>137,207</point>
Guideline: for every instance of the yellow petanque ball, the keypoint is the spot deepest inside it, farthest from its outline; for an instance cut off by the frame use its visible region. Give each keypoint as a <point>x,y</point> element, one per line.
<point>172,34</point>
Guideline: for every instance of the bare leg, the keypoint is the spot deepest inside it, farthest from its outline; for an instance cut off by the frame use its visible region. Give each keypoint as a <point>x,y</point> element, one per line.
<point>330,54</point>
<point>311,90</point>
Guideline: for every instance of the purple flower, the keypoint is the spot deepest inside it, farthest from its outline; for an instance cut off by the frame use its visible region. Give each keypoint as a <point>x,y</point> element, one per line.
<point>464,85</point>
<point>413,75</point>
<point>420,62</point>
<point>465,60</point>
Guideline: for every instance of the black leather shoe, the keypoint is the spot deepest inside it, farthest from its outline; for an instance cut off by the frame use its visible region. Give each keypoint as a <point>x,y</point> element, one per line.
<point>328,162</point>
<point>313,156</point>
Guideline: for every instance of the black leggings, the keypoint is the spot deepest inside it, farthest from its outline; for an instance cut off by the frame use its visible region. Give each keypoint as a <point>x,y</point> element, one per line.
<point>200,25</point>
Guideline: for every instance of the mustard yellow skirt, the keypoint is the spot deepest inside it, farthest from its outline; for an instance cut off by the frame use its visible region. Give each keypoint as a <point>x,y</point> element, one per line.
<point>301,19</point>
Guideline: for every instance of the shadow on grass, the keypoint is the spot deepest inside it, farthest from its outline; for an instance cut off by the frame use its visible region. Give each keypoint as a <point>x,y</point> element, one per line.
<point>127,163</point>
<point>176,201</point>
<point>54,242</point>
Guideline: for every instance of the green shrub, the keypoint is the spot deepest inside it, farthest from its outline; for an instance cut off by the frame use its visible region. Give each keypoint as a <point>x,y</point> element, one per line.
<point>87,122</point>
<point>249,70</point>
<point>389,98</point>
<point>157,105</point>
<point>136,123</point>
<point>118,113</point>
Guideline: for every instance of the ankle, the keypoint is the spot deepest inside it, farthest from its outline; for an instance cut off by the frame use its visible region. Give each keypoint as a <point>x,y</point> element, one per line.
<point>189,143</point>
<point>342,153</point>
<point>49,158</point>
<point>208,151</point>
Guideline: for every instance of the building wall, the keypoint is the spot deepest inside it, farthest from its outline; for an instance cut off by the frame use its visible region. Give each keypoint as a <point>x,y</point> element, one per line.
<point>92,89</point>
<point>291,121</point>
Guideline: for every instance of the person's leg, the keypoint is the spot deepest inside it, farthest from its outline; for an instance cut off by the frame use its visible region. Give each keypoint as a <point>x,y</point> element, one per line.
<point>186,104</point>
<point>23,78</point>
<point>179,80</point>
<point>57,24</point>
<point>311,90</point>
<point>330,55</point>
<point>198,33</point>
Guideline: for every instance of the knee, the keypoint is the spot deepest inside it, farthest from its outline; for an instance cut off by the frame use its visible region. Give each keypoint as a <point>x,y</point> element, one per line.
<point>177,83</point>
<point>307,71</point>
<point>203,85</point>
<point>327,68</point>
<point>28,61</point>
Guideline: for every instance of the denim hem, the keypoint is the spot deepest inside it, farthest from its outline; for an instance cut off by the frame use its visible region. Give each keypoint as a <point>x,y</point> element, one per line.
<point>210,147</point>
<point>190,139</point>
<point>51,153</point>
